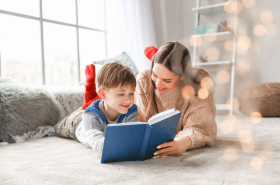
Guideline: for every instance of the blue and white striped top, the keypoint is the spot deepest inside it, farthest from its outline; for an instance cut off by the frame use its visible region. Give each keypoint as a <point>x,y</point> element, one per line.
<point>91,130</point>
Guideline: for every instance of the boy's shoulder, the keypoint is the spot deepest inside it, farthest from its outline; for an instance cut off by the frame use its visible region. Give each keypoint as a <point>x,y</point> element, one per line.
<point>94,107</point>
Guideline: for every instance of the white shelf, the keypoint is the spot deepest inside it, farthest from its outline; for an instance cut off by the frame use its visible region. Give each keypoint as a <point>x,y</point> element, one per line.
<point>222,107</point>
<point>220,36</point>
<point>212,63</point>
<point>211,9</point>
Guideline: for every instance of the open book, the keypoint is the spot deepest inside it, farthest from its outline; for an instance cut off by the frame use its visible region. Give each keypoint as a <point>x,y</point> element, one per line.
<point>139,140</point>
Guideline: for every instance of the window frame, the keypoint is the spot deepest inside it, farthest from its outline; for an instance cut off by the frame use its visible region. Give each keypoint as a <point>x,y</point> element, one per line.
<point>77,26</point>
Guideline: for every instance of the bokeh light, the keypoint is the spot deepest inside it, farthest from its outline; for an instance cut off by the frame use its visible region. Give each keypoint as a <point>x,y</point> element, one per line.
<point>243,67</point>
<point>188,92</point>
<point>203,93</point>
<point>228,45</point>
<point>248,3</point>
<point>195,41</point>
<point>212,53</point>
<point>256,163</point>
<point>227,127</point>
<point>271,30</point>
<point>230,154</point>
<point>243,44</point>
<point>259,30</point>
<point>235,103</point>
<point>207,82</point>
<point>245,136</point>
<point>248,147</point>
<point>233,6</point>
<point>267,17</point>
<point>223,77</point>
<point>256,117</point>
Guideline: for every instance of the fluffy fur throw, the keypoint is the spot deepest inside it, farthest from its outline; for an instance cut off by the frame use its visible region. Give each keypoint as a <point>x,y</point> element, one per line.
<point>24,109</point>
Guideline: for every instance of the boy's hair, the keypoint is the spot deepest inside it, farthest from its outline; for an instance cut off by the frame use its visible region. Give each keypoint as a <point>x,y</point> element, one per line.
<point>114,74</point>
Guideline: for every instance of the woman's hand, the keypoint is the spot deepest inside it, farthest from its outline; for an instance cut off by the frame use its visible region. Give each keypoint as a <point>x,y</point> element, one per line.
<point>176,147</point>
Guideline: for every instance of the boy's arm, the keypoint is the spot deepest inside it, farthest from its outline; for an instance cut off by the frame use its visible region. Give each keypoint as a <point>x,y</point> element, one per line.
<point>91,131</point>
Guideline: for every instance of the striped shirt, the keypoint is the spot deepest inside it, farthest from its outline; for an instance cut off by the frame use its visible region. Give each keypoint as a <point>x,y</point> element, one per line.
<point>91,130</point>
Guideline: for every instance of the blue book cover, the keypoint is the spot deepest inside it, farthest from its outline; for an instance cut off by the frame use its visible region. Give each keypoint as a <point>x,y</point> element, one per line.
<point>138,140</point>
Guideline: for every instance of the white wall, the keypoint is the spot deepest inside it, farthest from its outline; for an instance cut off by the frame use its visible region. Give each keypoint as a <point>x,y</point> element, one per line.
<point>264,64</point>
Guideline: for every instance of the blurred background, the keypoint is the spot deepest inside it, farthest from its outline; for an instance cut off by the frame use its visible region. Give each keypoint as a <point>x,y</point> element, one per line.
<point>49,42</point>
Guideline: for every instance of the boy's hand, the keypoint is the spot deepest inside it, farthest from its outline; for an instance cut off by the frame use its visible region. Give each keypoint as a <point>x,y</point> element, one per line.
<point>173,148</point>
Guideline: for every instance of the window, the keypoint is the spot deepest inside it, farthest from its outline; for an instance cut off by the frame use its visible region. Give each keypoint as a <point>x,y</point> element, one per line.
<point>50,42</point>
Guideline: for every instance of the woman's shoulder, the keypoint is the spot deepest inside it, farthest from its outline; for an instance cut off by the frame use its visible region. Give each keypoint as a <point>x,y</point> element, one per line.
<point>143,75</point>
<point>142,81</point>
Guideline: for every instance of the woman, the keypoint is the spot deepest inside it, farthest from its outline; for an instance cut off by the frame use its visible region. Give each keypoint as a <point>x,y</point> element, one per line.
<point>172,82</point>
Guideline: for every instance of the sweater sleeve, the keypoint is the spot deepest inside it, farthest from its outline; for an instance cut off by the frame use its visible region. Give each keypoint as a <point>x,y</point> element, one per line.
<point>89,132</point>
<point>199,122</point>
<point>140,96</point>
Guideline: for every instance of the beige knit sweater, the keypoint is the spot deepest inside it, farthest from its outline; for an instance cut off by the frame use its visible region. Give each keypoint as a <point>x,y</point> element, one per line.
<point>198,116</point>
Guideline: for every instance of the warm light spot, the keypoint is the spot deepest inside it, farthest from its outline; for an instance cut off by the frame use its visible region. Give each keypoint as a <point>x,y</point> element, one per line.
<point>230,154</point>
<point>259,30</point>
<point>203,93</point>
<point>211,38</point>
<point>256,163</point>
<point>235,103</point>
<point>248,147</point>
<point>248,3</point>
<point>245,136</point>
<point>241,32</point>
<point>228,45</point>
<point>268,153</point>
<point>212,53</point>
<point>267,17</point>
<point>195,41</point>
<point>256,174</point>
<point>271,30</point>
<point>233,7</point>
<point>188,92</point>
<point>232,21</point>
<point>231,118</point>
<point>244,42</point>
<point>226,127</point>
<point>243,67</point>
<point>223,77</point>
<point>256,117</point>
<point>207,82</point>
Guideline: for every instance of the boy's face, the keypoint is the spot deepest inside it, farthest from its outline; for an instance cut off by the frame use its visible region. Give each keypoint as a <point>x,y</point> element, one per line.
<point>119,99</point>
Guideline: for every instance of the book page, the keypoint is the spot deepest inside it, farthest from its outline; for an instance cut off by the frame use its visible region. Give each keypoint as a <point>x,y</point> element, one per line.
<point>160,114</point>
<point>129,123</point>
<point>163,115</point>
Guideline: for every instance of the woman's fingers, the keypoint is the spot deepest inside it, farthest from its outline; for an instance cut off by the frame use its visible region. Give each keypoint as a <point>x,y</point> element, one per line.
<point>163,151</point>
<point>165,145</point>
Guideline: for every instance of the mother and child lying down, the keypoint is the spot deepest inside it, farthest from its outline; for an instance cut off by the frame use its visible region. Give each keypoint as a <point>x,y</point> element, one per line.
<point>171,82</point>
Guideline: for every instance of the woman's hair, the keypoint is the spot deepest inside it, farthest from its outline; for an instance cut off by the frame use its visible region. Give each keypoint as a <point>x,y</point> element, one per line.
<point>114,74</point>
<point>176,58</point>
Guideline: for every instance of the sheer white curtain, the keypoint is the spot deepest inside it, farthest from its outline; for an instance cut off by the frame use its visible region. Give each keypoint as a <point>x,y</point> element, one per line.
<point>131,28</point>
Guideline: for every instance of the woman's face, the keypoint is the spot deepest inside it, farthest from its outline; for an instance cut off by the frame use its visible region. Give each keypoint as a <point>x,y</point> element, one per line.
<point>163,78</point>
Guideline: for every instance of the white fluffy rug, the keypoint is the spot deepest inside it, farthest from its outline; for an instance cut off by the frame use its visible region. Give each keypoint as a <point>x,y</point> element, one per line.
<point>53,160</point>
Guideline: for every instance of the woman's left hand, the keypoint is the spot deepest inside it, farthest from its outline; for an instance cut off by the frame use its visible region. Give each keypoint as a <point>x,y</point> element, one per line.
<point>176,147</point>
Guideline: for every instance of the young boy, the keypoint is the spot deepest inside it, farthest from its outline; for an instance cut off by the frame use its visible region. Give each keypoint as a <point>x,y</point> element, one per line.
<point>116,84</point>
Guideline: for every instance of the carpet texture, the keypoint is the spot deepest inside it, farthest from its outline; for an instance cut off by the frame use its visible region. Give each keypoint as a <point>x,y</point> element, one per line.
<point>247,152</point>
